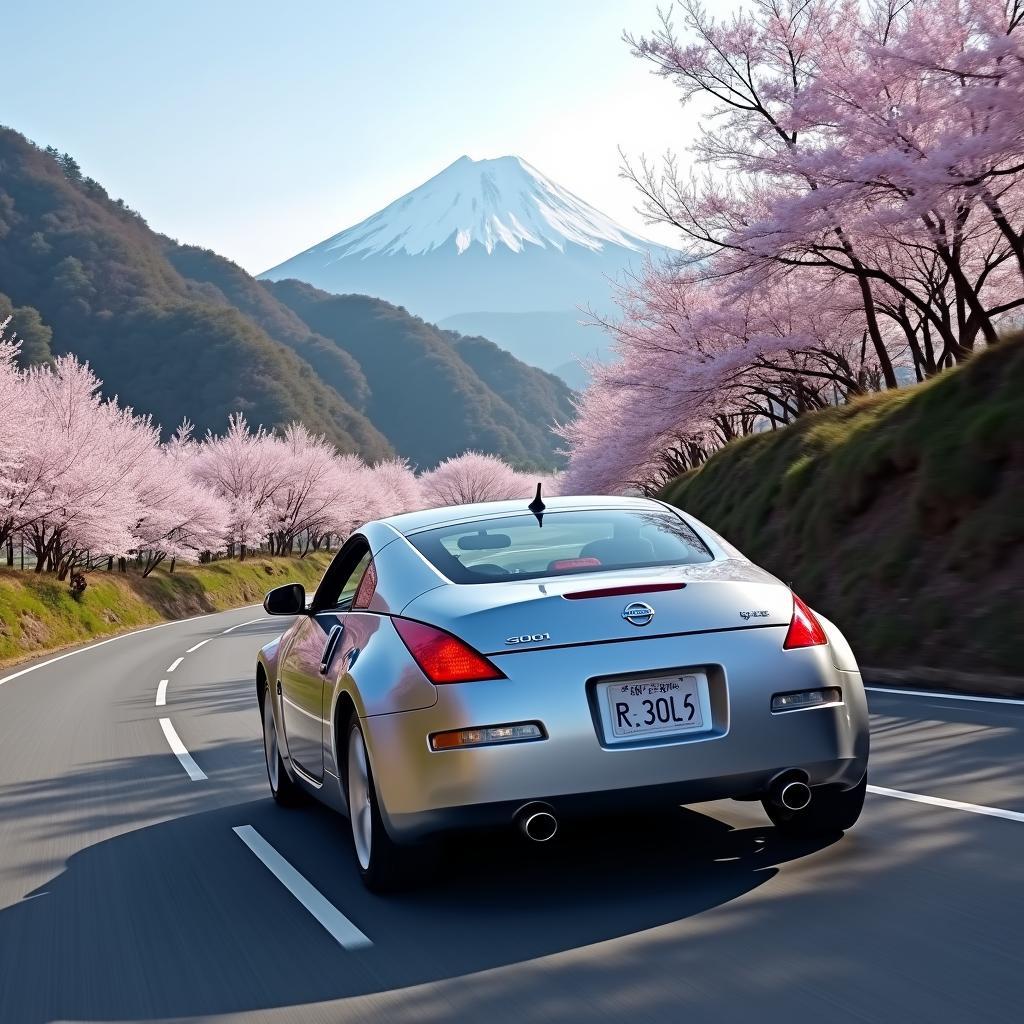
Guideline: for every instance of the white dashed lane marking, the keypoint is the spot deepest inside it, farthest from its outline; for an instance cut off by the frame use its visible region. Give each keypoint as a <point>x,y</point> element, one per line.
<point>195,773</point>
<point>332,919</point>
<point>945,696</point>
<point>239,625</point>
<point>950,805</point>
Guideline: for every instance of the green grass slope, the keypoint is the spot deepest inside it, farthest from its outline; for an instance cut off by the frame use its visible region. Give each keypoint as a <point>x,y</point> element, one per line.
<point>899,516</point>
<point>38,613</point>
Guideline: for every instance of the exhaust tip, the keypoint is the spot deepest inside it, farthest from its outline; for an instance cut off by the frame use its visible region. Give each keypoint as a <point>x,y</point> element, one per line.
<point>795,796</point>
<point>537,823</point>
<point>541,826</point>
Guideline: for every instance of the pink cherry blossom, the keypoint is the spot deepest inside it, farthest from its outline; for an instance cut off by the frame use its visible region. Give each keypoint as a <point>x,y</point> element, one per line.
<point>855,219</point>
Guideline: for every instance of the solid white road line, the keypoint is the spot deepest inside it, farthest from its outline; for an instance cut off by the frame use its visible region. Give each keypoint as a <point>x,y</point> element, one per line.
<point>195,773</point>
<point>945,696</point>
<point>239,625</point>
<point>161,693</point>
<point>110,640</point>
<point>174,664</point>
<point>952,805</point>
<point>343,930</point>
<point>191,650</point>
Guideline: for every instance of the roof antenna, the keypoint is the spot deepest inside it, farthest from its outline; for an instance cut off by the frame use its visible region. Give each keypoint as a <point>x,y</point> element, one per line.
<point>537,506</point>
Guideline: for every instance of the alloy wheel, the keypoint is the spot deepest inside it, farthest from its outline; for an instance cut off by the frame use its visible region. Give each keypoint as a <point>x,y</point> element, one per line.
<point>359,807</point>
<point>270,748</point>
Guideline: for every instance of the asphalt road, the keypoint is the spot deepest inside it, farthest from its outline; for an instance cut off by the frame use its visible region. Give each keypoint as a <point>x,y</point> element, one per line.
<point>126,894</point>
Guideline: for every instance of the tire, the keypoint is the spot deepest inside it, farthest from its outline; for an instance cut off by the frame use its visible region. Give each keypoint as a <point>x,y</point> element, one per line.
<point>831,810</point>
<point>384,865</point>
<point>282,788</point>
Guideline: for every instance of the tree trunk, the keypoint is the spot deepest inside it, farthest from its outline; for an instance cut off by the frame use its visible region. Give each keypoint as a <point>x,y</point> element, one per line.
<point>868,300</point>
<point>40,547</point>
<point>1016,243</point>
<point>153,559</point>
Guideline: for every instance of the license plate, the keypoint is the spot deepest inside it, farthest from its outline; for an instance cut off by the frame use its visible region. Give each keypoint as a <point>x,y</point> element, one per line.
<point>661,706</point>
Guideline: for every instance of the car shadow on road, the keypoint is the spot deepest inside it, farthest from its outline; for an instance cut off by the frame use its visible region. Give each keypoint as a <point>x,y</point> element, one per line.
<point>180,919</point>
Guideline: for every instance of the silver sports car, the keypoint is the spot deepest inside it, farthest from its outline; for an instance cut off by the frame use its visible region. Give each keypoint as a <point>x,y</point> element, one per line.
<point>506,663</point>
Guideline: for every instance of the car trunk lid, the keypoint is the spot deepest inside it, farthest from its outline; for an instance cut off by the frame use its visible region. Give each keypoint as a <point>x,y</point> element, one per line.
<point>584,608</point>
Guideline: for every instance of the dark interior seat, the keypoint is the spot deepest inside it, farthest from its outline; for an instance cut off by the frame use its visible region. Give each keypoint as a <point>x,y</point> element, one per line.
<point>488,569</point>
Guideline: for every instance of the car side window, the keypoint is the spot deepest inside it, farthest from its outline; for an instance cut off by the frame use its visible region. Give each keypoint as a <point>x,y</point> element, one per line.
<point>341,581</point>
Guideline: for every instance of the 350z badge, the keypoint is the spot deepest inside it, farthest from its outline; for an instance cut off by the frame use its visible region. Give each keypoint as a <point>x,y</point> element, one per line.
<point>528,638</point>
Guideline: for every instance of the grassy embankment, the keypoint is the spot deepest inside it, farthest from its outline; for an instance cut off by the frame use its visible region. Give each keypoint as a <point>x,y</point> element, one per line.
<point>899,516</point>
<point>38,613</point>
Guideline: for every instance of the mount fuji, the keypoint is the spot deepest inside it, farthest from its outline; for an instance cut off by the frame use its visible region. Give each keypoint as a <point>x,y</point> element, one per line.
<point>490,247</point>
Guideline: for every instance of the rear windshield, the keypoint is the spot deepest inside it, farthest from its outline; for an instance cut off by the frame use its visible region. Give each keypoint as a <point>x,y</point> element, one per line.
<point>568,544</point>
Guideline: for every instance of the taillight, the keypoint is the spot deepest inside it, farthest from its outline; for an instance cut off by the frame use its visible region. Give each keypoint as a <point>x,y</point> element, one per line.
<point>559,564</point>
<point>442,657</point>
<point>804,630</point>
<point>636,588</point>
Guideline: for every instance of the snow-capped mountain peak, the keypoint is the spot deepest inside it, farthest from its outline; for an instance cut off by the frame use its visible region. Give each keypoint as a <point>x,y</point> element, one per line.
<point>491,248</point>
<point>503,202</point>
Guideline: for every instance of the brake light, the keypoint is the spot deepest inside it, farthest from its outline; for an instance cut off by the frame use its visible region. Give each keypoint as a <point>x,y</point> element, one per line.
<point>442,657</point>
<point>573,563</point>
<point>804,629</point>
<point>638,588</point>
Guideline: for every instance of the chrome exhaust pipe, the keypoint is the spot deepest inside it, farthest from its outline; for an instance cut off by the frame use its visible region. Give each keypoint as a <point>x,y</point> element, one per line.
<point>793,795</point>
<point>537,822</point>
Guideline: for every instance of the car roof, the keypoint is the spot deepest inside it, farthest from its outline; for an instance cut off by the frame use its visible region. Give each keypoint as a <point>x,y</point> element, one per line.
<point>428,518</point>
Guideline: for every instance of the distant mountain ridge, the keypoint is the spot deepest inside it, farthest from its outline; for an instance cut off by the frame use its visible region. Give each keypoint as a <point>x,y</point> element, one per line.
<point>427,384</point>
<point>539,338</point>
<point>178,331</point>
<point>488,238</point>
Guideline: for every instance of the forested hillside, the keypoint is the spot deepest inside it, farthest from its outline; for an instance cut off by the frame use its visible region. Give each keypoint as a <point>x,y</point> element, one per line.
<point>99,278</point>
<point>427,385</point>
<point>215,279</point>
<point>180,332</point>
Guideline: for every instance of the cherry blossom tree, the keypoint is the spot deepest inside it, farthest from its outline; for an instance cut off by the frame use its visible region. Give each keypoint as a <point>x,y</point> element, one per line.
<point>475,477</point>
<point>855,217</point>
<point>392,488</point>
<point>13,433</point>
<point>310,487</point>
<point>74,492</point>
<point>243,469</point>
<point>178,516</point>
<point>828,153</point>
<point>84,480</point>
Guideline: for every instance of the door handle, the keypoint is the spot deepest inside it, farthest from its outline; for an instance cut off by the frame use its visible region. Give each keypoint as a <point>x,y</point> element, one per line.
<point>332,642</point>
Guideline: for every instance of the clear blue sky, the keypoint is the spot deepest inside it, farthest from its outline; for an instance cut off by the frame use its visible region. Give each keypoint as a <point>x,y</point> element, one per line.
<point>259,128</point>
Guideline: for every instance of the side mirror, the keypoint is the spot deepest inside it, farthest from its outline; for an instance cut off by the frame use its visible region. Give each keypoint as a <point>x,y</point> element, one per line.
<point>287,600</point>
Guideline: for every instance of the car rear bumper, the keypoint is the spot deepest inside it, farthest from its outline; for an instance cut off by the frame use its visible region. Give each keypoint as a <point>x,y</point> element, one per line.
<point>410,826</point>
<point>576,771</point>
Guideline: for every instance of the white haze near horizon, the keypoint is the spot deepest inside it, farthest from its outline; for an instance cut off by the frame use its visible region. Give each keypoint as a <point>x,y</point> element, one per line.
<point>258,129</point>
